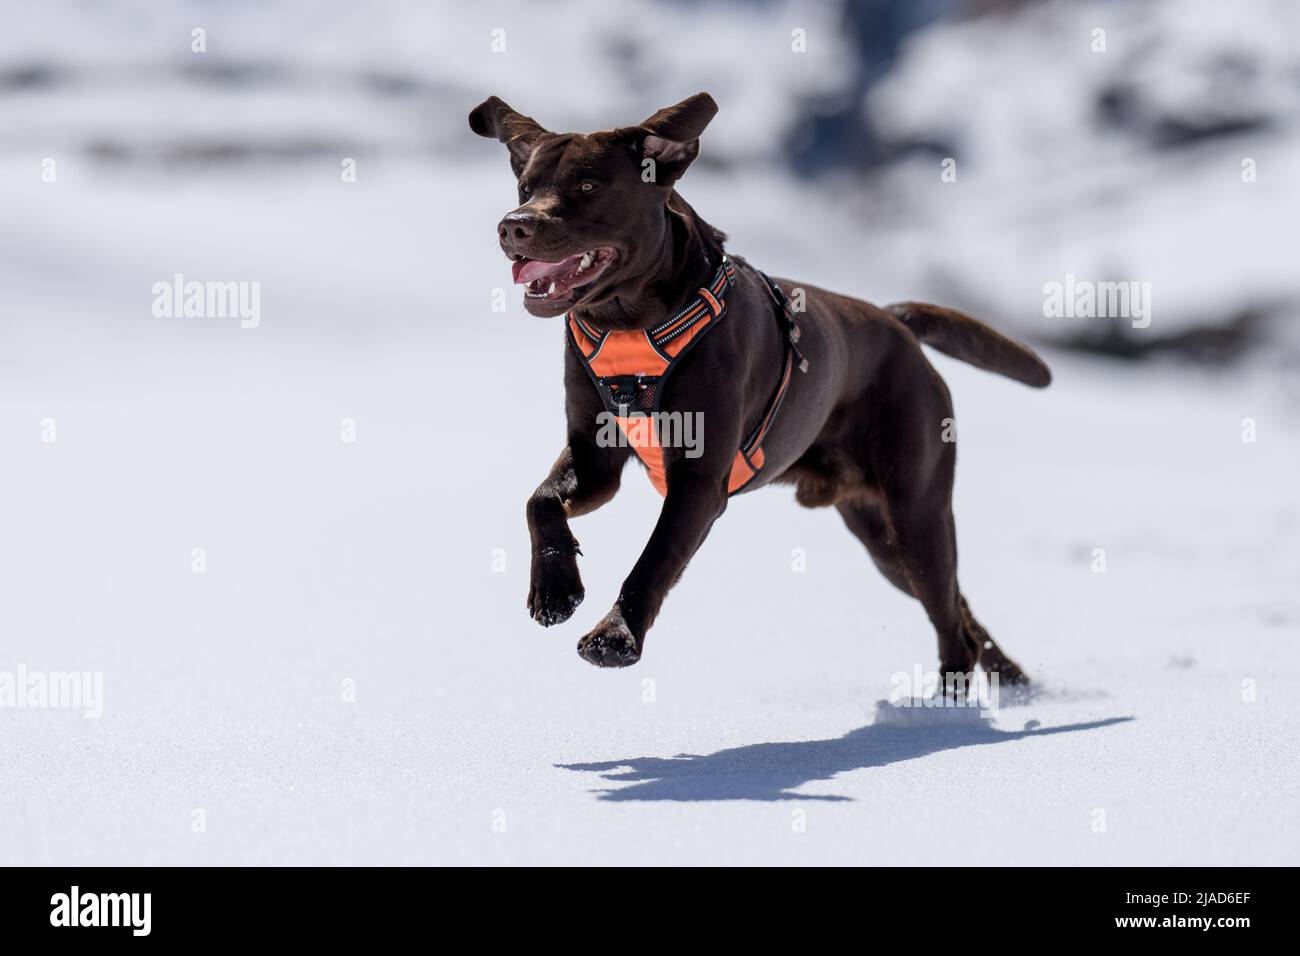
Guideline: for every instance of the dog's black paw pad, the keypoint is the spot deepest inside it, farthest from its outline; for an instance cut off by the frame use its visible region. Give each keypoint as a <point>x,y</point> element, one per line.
<point>555,588</point>
<point>610,645</point>
<point>553,608</point>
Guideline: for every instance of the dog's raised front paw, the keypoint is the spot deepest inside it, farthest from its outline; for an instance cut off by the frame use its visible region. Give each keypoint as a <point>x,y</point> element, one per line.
<point>556,588</point>
<point>610,644</point>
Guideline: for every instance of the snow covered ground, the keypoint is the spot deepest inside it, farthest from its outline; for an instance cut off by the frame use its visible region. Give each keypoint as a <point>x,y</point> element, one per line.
<point>749,733</point>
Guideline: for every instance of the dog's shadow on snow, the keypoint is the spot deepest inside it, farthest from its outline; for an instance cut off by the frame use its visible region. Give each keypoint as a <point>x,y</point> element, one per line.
<point>771,771</point>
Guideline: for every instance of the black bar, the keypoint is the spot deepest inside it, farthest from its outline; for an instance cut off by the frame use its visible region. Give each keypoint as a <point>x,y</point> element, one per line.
<point>337,906</point>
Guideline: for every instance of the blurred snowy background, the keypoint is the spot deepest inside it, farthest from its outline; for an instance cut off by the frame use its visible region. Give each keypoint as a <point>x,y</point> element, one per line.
<point>400,561</point>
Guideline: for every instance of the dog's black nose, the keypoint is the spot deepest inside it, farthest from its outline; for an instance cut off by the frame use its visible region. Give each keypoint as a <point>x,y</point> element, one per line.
<point>516,226</point>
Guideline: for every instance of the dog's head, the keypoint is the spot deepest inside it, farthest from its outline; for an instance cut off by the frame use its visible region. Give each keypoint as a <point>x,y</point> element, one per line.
<point>588,203</point>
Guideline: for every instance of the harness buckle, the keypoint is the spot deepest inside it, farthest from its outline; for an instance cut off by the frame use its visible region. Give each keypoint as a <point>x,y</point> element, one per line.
<point>624,390</point>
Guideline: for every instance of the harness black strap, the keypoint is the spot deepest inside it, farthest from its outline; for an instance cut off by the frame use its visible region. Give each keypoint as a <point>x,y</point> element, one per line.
<point>790,335</point>
<point>791,325</point>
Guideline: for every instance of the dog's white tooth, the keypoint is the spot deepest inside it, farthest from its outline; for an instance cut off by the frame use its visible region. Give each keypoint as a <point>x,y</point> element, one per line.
<point>551,290</point>
<point>586,261</point>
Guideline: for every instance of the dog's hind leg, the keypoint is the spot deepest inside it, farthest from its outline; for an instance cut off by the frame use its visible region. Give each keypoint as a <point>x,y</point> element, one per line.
<point>866,519</point>
<point>867,522</point>
<point>916,512</point>
<point>992,658</point>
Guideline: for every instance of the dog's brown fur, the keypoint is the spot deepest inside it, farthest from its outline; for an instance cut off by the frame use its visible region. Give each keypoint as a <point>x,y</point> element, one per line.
<point>863,431</point>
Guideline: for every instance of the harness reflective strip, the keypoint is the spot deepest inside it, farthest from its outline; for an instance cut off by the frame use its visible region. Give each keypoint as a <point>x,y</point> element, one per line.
<point>668,331</point>
<point>726,275</point>
<point>651,355</point>
<point>714,306</point>
<point>576,326</point>
<point>677,342</point>
<point>694,320</point>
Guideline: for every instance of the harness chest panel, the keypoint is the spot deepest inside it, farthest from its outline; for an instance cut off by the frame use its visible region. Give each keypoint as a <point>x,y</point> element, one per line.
<point>630,367</point>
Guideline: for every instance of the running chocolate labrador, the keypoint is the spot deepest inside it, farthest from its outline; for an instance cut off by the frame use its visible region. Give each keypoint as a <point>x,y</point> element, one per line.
<point>795,384</point>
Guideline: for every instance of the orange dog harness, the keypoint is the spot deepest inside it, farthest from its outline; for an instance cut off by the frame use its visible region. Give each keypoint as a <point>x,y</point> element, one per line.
<point>630,367</point>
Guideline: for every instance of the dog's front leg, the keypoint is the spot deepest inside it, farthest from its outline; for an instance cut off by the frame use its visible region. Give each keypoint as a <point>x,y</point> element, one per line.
<point>691,506</point>
<point>582,479</point>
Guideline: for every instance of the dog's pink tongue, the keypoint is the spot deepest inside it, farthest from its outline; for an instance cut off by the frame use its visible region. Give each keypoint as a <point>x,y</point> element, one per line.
<point>535,269</point>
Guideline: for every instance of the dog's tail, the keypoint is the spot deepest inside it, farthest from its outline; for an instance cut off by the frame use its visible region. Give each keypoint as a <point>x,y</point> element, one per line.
<point>970,340</point>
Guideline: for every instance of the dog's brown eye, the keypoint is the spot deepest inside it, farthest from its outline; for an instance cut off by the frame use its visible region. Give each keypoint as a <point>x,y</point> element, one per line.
<point>587,187</point>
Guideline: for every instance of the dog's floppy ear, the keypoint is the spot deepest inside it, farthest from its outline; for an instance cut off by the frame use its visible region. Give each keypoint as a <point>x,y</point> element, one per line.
<point>496,120</point>
<point>672,136</point>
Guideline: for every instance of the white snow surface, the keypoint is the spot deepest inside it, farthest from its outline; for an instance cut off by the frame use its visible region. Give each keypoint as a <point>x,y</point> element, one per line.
<point>748,732</point>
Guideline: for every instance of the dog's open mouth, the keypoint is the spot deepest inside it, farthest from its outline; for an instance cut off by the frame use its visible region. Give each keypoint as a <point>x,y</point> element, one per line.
<point>564,280</point>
